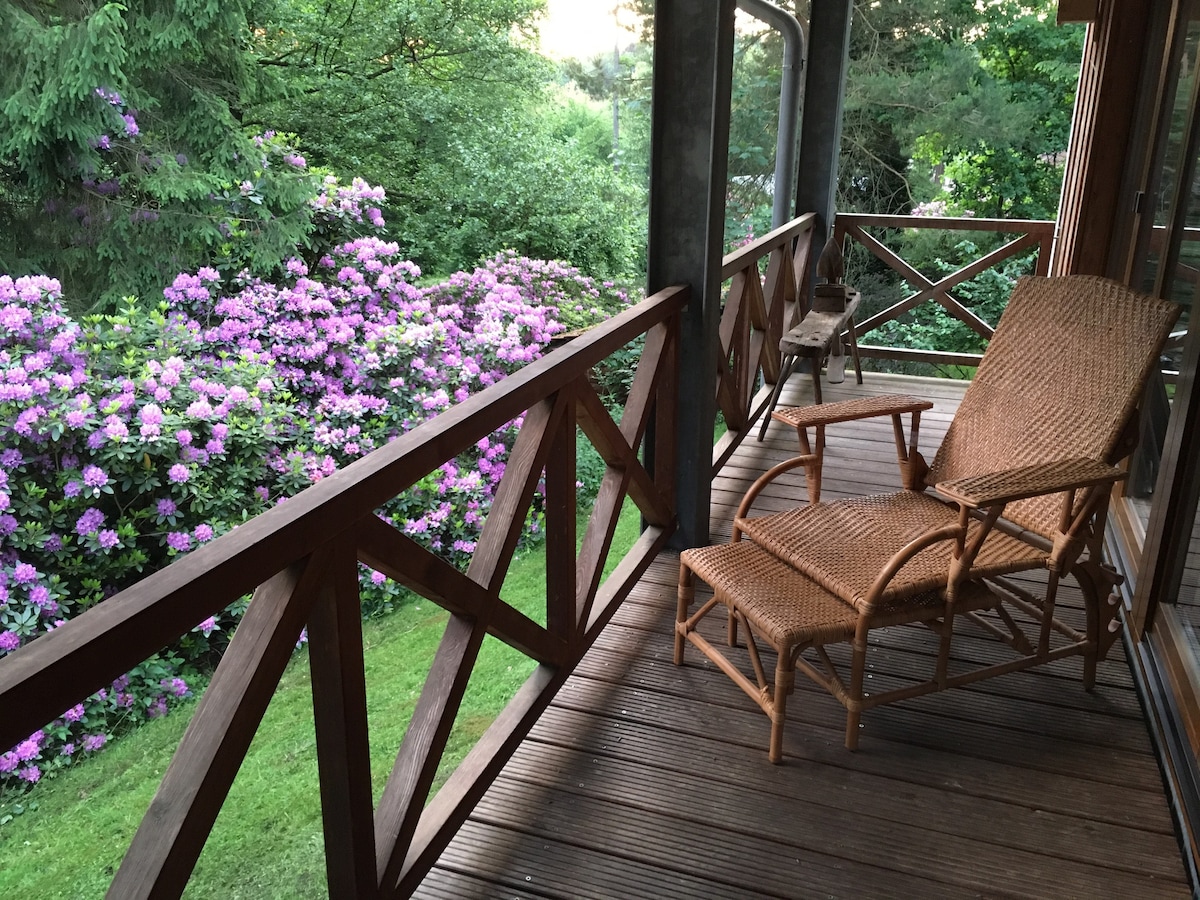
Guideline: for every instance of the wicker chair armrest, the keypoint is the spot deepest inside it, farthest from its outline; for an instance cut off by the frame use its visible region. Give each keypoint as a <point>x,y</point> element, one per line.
<point>763,480</point>
<point>849,410</point>
<point>996,488</point>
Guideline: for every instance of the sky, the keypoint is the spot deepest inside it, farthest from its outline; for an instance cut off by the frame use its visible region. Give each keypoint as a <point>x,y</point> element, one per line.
<point>580,28</point>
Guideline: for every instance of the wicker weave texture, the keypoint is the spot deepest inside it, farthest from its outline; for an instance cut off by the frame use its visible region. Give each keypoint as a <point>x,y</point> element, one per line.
<point>847,410</point>
<point>1043,478</point>
<point>1060,379</point>
<point>843,546</point>
<point>783,606</point>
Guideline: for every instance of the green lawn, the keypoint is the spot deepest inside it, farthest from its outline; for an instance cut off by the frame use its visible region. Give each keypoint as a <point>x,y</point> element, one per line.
<point>267,842</point>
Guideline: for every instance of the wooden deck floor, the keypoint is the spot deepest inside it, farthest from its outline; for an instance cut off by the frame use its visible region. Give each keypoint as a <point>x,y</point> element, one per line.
<point>648,780</point>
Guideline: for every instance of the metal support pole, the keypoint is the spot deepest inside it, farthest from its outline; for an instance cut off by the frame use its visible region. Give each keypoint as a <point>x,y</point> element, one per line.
<point>790,90</point>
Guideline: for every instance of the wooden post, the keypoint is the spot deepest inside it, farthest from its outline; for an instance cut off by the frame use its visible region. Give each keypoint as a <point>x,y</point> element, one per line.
<point>340,716</point>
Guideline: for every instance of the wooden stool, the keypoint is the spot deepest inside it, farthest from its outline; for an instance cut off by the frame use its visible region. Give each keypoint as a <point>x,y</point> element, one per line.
<point>812,339</point>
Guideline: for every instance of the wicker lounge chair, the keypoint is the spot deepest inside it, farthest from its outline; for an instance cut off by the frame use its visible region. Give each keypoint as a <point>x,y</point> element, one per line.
<point>1021,481</point>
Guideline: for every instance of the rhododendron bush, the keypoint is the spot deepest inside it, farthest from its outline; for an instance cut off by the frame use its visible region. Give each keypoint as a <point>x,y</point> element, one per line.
<point>127,440</point>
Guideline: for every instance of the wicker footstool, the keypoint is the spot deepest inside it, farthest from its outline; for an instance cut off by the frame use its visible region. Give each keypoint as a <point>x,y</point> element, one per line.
<point>788,611</point>
<point>775,604</point>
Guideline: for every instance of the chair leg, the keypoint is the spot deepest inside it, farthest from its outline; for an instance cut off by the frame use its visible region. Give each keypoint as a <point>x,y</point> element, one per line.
<point>1089,671</point>
<point>785,681</point>
<point>858,667</point>
<point>788,363</point>
<point>686,593</point>
<point>853,718</point>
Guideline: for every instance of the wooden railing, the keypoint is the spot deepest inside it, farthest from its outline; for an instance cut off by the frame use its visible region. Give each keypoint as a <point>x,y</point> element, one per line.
<point>759,307</point>
<point>300,559</point>
<point>1031,235</point>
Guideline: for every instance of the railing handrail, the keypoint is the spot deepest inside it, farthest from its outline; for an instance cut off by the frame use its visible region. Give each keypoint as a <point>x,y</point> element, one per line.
<point>736,260</point>
<point>1035,234</point>
<point>953,223</point>
<point>759,308</point>
<point>62,667</point>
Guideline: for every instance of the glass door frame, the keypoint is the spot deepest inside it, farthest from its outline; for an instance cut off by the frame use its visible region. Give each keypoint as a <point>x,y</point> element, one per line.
<point>1163,660</point>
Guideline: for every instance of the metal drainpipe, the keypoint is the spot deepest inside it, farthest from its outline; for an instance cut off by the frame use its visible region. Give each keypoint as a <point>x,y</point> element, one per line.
<point>789,100</point>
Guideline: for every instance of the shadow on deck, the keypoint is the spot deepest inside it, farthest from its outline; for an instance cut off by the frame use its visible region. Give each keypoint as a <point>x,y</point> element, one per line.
<point>648,780</point>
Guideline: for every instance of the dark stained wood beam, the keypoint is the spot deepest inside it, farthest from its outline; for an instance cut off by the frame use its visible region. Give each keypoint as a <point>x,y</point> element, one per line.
<point>693,76</point>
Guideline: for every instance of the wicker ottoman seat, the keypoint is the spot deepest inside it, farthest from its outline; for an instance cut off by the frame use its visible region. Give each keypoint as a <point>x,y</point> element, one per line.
<point>790,613</point>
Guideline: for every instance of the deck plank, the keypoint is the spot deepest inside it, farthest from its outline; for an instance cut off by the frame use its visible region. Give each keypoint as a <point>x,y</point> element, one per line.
<point>650,780</point>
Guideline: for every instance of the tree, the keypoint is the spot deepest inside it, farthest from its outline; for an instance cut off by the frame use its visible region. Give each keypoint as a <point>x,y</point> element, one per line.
<point>122,156</point>
<point>950,101</point>
<point>447,105</point>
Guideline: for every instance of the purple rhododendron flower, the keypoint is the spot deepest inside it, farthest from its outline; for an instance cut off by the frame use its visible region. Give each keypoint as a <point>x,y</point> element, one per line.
<point>27,750</point>
<point>94,477</point>
<point>179,540</point>
<point>115,430</point>
<point>157,708</point>
<point>178,473</point>
<point>24,573</point>
<point>166,507</point>
<point>90,521</point>
<point>94,742</point>
<point>32,774</point>
<point>203,533</point>
<point>9,640</point>
<point>200,409</point>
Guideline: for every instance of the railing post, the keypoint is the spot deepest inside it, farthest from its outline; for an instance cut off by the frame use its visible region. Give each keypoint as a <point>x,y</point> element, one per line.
<point>661,444</point>
<point>340,716</point>
<point>561,582</point>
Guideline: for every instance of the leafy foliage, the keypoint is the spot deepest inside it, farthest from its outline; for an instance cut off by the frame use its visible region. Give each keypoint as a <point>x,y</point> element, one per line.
<point>122,159</point>
<point>447,107</point>
<point>950,100</point>
<point>127,440</point>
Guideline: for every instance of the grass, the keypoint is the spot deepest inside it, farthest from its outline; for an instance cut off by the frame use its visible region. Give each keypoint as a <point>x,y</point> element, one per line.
<point>267,841</point>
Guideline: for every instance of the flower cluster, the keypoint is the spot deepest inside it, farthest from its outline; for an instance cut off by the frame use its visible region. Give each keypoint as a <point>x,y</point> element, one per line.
<point>939,208</point>
<point>127,440</point>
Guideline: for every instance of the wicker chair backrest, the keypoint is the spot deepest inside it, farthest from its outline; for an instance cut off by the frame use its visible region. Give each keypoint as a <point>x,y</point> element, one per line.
<point>1061,377</point>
